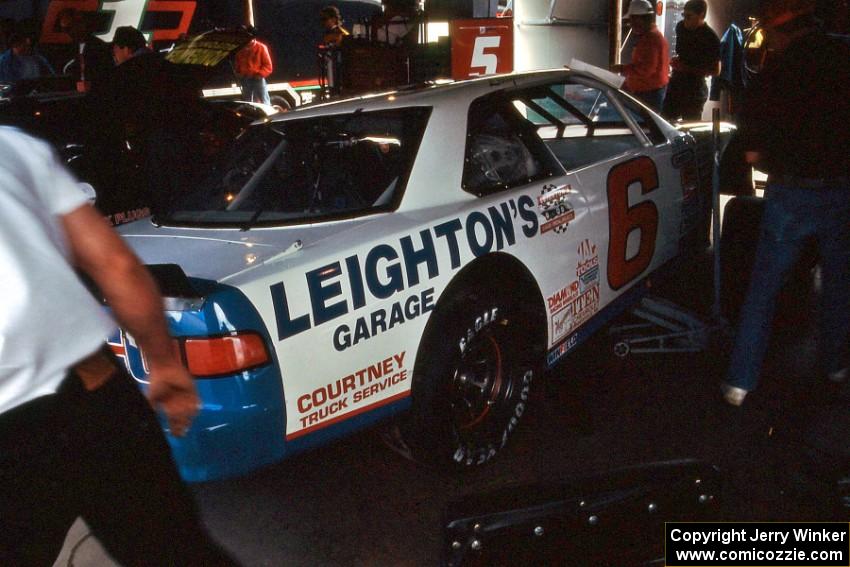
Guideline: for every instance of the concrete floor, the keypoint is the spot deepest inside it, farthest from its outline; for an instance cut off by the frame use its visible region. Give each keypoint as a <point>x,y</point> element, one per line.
<point>356,503</point>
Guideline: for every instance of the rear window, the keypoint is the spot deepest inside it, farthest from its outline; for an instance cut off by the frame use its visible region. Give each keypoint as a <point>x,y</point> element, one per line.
<point>306,170</point>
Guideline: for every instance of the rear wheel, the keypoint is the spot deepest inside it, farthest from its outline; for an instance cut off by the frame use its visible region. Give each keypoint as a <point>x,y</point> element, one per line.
<point>280,101</point>
<point>472,382</point>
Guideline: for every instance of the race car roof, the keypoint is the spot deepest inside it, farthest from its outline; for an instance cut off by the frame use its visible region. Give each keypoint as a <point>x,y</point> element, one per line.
<point>433,94</point>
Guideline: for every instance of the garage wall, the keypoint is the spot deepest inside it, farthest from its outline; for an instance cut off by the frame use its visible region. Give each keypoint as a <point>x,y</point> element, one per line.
<point>548,34</point>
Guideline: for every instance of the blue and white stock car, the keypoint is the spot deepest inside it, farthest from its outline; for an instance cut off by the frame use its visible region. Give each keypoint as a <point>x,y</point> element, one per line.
<point>421,255</point>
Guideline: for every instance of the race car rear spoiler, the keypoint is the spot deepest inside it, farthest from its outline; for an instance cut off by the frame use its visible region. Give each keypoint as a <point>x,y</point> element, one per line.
<point>175,286</point>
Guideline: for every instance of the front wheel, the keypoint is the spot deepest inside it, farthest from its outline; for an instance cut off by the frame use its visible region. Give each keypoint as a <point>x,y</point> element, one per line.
<point>472,381</point>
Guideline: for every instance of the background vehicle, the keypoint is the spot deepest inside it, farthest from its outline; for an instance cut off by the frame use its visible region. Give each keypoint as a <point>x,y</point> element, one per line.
<point>105,148</point>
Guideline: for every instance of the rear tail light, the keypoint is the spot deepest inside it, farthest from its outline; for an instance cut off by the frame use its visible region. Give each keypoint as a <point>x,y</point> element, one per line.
<point>215,356</point>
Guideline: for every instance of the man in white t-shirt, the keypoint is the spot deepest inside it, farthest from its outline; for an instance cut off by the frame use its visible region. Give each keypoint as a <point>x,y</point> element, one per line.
<point>77,437</point>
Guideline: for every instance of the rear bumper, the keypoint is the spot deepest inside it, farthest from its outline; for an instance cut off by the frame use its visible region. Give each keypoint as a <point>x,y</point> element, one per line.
<point>237,429</point>
<point>242,422</point>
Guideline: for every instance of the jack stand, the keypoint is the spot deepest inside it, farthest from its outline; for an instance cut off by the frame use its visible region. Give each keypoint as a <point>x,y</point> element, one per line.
<point>669,329</point>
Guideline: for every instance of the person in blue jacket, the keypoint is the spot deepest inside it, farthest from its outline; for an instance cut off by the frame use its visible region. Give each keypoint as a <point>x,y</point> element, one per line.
<point>19,61</point>
<point>731,77</point>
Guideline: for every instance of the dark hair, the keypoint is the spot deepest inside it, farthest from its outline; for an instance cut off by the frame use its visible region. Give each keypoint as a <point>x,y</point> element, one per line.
<point>16,39</point>
<point>128,36</point>
<point>696,7</point>
<point>330,12</point>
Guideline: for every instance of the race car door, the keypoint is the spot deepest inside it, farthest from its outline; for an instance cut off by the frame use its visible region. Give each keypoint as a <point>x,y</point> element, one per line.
<point>504,151</point>
<point>612,152</point>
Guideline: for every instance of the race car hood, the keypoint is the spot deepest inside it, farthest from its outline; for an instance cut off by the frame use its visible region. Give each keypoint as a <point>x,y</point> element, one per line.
<point>223,254</point>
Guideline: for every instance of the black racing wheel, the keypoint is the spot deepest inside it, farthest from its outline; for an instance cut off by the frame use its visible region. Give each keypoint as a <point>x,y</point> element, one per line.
<point>471,383</point>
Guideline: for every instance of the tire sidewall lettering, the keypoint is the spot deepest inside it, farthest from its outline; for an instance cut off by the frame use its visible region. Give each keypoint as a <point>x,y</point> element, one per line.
<point>479,324</point>
<point>469,454</point>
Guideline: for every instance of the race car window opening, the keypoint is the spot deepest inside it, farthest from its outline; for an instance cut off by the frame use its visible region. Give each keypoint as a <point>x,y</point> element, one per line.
<point>502,149</point>
<point>579,123</point>
<point>306,170</point>
<point>644,121</point>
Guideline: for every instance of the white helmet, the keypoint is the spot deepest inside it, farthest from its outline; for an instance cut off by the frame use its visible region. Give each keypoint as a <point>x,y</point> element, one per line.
<point>640,8</point>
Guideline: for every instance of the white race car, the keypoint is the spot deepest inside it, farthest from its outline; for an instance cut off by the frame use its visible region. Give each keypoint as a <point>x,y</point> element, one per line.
<point>419,254</point>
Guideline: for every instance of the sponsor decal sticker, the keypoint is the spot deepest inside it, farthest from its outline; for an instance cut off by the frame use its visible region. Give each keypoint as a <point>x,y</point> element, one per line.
<point>382,320</point>
<point>128,216</point>
<point>563,297</point>
<point>392,267</point>
<point>581,301</point>
<point>124,346</point>
<point>552,195</point>
<point>553,205</point>
<point>587,269</point>
<point>562,349</point>
<point>339,399</point>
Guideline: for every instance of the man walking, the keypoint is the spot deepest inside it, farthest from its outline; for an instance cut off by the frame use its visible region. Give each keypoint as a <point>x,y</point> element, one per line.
<point>77,437</point>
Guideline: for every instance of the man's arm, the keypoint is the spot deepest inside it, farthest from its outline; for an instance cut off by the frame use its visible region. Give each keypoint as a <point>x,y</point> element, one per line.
<point>137,305</point>
<point>645,60</point>
<point>266,66</point>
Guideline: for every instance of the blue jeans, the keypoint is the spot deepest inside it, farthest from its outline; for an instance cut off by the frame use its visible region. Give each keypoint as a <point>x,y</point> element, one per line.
<point>255,90</point>
<point>652,99</point>
<point>791,216</point>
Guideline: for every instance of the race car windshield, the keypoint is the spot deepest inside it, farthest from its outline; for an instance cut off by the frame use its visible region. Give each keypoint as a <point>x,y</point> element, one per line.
<point>307,170</point>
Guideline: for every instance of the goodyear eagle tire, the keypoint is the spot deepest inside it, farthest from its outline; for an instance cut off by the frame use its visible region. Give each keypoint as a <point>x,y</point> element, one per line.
<point>472,381</point>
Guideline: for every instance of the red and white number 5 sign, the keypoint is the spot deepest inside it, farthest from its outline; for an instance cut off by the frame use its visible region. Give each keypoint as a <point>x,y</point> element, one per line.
<point>481,47</point>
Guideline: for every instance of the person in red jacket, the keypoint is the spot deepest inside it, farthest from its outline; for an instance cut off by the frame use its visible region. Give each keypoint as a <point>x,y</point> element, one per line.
<point>646,76</point>
<point>253,64</point>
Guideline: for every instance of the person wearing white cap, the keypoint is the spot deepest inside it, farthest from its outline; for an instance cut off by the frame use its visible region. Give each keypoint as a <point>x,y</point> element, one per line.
<point>646,75</point>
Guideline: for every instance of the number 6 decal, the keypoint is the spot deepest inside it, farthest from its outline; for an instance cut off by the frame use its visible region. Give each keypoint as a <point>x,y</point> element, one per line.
<point>623,219</point>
